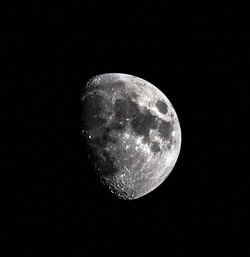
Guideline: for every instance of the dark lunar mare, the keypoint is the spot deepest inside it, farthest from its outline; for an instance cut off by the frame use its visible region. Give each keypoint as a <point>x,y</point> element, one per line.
<point>125,108</point>
<point>155,147</point>
<point>165,129</point>
<point>127,113</point>
<point>162,107</point>
<point>91,109</point>
<point>109,110</point>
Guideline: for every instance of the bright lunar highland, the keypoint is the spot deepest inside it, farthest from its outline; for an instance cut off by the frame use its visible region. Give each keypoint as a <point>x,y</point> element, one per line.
<point>132,133</point>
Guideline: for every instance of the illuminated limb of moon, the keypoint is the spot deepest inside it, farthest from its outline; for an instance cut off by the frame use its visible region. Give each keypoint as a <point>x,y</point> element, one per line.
<point>133,133</point>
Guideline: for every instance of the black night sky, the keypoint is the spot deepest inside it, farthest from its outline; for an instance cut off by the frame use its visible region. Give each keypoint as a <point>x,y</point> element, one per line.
<point>197,55</point>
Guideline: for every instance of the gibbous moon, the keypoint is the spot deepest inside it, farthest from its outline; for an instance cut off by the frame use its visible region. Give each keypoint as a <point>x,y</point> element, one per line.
<point>132,132</point>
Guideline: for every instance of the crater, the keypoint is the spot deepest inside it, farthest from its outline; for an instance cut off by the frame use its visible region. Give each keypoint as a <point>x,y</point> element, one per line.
<point>162,107</point>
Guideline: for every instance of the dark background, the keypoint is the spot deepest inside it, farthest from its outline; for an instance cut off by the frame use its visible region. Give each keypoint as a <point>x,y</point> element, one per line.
<point>197,55</point>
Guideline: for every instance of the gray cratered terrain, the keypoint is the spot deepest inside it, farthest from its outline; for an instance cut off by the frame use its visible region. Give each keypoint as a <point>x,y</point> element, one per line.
<point>132,132</point>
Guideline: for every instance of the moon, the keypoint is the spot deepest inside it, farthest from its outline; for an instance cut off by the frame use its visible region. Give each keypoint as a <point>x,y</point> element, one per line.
<point>132,132</point>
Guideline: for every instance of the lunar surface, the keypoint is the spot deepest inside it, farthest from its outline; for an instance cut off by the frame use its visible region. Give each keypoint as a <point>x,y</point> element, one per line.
<point>132,132</point>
